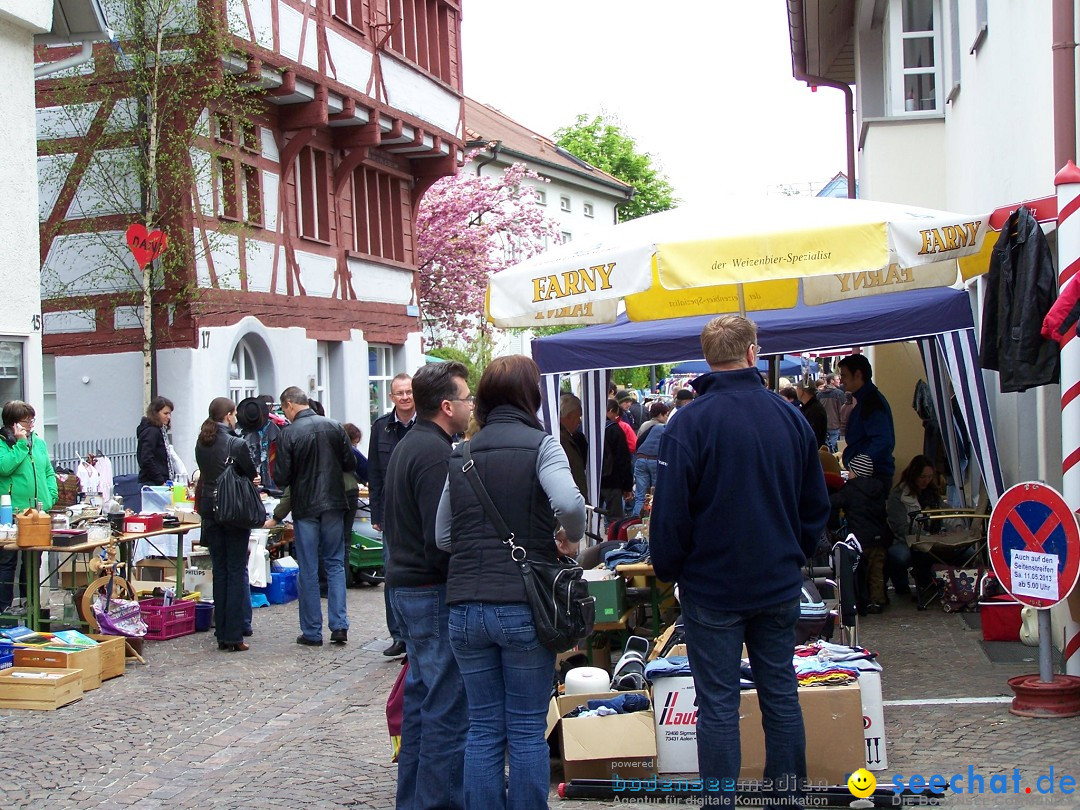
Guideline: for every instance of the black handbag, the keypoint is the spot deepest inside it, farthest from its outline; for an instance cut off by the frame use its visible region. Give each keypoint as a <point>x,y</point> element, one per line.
<point>236,500</point>
<point>563,611</point>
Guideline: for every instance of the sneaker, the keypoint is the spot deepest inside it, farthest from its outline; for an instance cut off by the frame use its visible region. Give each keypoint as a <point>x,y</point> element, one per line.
<point>875,608</point>
<point>395,649</point>
<point>339,636</point>
<point>309,642</point>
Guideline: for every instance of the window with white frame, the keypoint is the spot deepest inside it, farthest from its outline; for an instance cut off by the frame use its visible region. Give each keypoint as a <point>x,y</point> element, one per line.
<point>381,371</point>
<point>50,428</point>
<point>541,196</point>
<point>588,209</point>
<point>567,237</point>
<point>243,373</point>
<point>564,203</point>
<point>12,370</point>
<point>913,56</point>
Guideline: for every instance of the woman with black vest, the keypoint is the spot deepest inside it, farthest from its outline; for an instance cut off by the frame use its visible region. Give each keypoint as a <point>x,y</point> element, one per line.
<point>228,545</point>
<point>507,673</point>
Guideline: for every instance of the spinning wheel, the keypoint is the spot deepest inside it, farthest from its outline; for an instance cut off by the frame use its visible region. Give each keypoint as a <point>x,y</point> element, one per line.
<point>120,590</point>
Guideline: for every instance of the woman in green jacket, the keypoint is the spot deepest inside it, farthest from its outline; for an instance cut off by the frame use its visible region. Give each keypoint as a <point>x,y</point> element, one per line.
<point>26,474</point>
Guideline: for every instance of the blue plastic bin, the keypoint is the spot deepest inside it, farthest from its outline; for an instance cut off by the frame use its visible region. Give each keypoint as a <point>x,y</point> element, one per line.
<point>204,616</point>
<point>283,587</point>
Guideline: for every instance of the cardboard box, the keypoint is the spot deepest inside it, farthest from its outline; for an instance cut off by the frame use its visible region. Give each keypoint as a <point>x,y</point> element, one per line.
<point>186,514</point>
<point>113,655</point>
<point>622,745</point>
<point>832,716</point>
<point>85,659</point>
<point>873,721</point>
<point>36,688</point>
<point>610,597</point>
<point>675,713</point>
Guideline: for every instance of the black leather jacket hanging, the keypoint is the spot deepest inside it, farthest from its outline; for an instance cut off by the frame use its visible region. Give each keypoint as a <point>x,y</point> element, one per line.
<point>1020,289</point>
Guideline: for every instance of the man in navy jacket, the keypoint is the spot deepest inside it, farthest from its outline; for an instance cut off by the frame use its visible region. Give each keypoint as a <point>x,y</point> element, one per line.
<point>870,425</point>
<point>740,503</point>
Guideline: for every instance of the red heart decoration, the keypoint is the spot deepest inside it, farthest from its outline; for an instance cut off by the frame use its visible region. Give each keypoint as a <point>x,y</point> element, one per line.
<point>145,247</point>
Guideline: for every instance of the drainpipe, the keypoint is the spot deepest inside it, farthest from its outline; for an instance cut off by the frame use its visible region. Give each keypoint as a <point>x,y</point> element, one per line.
<point>849,119</point>
<point>1064,49</point>
<point>83,56</point>
<point>797,32</point>
<point>495,147</point>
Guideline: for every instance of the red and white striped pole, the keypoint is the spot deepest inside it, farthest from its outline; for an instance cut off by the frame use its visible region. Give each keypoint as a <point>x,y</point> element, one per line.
<point>1067,183</point>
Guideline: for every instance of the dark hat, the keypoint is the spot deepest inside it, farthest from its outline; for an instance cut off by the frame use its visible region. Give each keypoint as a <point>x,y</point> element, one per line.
<point>251,414</point>
<point>624,395</point>
<point>862,465</point>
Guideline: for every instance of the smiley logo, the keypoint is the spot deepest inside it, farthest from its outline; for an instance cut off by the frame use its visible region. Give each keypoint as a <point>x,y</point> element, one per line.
<point>861,783</point>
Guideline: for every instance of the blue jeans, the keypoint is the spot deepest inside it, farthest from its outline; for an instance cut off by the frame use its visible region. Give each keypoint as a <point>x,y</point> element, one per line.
<point>714,641</point>
<point>644,477</point>
<point>228,553</point>
<point>832,439</point>
<point>435,718</point>
<point>897,563</point>
<point>391,619</point>
<point>315,538</point>
<point>508,677</point>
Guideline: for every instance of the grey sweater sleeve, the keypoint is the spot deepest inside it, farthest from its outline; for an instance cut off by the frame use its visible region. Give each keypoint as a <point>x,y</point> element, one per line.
<point>442,520</point>
<point>553,471</point>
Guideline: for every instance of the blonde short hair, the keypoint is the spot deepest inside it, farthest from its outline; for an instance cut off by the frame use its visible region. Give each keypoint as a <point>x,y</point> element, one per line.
<point>725,339</point>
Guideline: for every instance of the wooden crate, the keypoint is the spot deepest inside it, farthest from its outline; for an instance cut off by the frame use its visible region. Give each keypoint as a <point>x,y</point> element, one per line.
<point>113,655</point>
<point>85,659</point>
<point>37,688</point>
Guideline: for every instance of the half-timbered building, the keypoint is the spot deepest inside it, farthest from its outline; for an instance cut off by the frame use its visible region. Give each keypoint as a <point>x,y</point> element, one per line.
<point>300,235</point>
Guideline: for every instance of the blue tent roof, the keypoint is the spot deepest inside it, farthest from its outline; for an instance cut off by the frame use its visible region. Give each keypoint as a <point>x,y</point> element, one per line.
<point>859,322</point>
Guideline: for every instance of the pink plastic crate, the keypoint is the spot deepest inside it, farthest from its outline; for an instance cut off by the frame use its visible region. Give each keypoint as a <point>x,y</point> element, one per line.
<point>167,621</point>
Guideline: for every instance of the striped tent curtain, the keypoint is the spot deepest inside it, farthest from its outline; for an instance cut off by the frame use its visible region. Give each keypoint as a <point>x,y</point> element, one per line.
<point>952,361</point>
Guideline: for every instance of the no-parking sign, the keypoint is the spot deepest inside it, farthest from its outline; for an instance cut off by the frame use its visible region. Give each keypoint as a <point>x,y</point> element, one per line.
<point>1034,544</point>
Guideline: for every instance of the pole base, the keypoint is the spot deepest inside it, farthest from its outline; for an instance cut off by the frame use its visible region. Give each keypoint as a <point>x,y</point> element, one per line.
<point>1036,698</point>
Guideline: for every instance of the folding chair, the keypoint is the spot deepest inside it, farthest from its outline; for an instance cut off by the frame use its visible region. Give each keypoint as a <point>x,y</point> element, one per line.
<point>954,540</point>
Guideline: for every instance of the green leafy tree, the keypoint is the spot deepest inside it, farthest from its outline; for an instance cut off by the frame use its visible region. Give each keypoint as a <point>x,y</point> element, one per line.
<point>602,142</point>
<point>638,376</point>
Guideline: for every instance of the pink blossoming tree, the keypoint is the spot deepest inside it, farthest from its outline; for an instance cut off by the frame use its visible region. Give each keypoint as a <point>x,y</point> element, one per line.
<point>468,226</point>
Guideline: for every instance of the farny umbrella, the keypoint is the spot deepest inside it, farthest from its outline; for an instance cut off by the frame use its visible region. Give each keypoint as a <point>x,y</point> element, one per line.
<point>740,257</point>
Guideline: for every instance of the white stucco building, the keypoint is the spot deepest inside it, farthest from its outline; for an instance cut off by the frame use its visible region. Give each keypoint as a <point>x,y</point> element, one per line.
<point>20,316</point>
<point>954,110</point>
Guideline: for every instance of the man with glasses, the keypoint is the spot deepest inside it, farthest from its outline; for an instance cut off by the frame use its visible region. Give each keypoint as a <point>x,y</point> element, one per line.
<point>26,474</point>
<point>435,714</point>
<point>386,432</point>
<point>740,503</point>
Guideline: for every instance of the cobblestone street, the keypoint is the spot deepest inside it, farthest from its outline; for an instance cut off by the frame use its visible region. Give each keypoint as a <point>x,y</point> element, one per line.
<point>288,726</point>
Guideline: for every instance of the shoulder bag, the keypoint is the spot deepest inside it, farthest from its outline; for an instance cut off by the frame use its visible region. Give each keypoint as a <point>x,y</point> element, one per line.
<point>236,501</point>
<point>563,612</point>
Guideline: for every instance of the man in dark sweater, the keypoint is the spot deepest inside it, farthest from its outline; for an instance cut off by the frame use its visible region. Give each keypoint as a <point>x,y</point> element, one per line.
<point>740,503</point>
<point>435,716</point>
